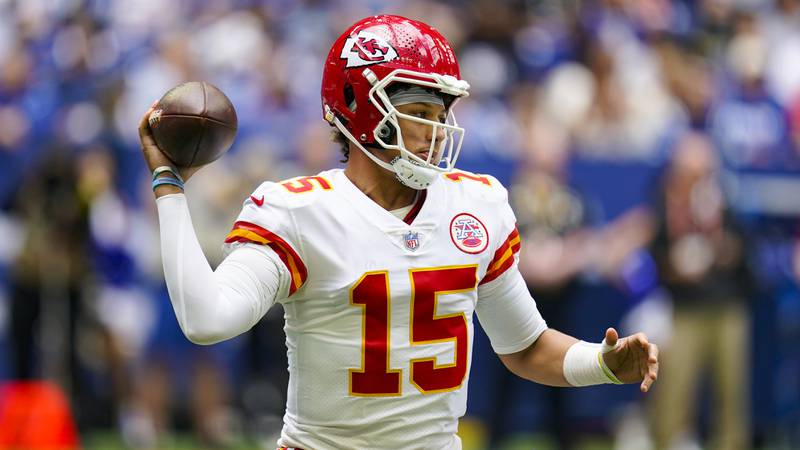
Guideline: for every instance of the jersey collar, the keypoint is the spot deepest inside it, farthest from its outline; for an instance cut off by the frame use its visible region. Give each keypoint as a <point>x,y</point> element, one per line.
<point>424,210</point>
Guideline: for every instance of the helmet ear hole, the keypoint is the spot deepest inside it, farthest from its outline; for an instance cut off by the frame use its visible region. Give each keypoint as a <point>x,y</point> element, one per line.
<point>387,132</point>
<point>350,97</point>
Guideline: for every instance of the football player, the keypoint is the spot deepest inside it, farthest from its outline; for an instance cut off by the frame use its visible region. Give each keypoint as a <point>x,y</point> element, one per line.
<point>381,265</point>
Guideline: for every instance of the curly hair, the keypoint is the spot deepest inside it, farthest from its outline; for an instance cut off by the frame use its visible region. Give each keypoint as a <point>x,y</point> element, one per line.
<point>344,144</point>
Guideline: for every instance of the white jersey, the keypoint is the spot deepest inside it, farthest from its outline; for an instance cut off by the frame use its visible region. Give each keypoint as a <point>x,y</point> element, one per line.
<point>378,310</point>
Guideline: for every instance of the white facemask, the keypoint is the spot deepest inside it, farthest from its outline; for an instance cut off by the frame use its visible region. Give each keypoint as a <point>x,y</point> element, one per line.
<point>409,168</point>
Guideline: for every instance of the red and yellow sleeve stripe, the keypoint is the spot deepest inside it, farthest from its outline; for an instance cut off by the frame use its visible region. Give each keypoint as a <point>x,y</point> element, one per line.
<point>503,257</point>
<point>248,232</point>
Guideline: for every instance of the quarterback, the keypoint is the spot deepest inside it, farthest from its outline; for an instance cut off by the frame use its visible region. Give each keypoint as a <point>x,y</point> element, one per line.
<point>381,265</point>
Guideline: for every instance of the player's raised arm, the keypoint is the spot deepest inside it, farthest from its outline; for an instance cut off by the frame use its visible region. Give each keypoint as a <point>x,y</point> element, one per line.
<point>211,306</point>
<point>155,158</point>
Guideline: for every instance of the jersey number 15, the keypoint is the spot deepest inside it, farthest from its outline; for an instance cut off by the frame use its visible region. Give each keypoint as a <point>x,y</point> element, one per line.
<point>371,293</point>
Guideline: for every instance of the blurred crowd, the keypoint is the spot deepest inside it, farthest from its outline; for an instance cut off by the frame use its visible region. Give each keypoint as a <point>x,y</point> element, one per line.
<point>651,147</point>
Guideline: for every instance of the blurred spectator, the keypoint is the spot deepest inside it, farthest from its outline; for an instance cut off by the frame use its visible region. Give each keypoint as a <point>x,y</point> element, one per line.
<point>748,125</point>
<point>630,106</point>
<point>614,81</point>
<point>48,279</point>
<point>553,219</point>
<point>700,256</point>
<point>120,301</point>
<point>564,242</point>
<point>781,28</point>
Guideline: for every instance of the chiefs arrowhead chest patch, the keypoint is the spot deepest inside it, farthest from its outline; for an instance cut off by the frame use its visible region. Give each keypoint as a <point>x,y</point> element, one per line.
<point>468,233</point>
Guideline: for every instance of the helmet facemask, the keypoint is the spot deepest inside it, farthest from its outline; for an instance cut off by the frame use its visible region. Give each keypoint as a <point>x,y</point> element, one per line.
<point>442,154</point>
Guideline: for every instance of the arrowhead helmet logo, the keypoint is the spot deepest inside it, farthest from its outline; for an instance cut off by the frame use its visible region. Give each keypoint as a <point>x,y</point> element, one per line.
<point>367,48</point>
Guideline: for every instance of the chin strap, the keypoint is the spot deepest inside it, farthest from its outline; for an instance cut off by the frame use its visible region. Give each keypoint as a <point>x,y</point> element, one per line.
<point>411,174</point>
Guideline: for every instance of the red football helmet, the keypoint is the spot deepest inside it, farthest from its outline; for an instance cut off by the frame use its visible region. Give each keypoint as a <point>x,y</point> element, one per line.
<point>373,54</point>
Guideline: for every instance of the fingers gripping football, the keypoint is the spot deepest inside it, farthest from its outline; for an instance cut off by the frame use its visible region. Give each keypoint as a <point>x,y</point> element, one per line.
<point>153,155</point>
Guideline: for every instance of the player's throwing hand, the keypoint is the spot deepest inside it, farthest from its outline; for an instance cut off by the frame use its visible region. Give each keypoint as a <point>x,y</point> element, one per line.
<point>632,359</point>
<point>152,154</point>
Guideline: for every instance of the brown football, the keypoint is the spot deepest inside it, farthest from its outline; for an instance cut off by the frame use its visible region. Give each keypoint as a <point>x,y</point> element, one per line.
<point>194,123</point>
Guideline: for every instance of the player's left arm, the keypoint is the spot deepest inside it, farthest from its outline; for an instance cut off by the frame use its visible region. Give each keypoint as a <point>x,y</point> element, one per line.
<point>519,334</point>
<point>557,359</point>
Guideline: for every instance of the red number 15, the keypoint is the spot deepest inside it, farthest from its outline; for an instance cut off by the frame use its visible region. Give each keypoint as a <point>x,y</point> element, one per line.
<point>371,292</point>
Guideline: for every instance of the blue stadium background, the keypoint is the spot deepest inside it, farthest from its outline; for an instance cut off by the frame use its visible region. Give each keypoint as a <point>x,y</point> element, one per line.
<point>75,75</point>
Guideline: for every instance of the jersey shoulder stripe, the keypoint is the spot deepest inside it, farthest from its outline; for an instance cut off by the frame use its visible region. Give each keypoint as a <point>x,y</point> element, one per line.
<point>503,257</point>
<point>458,175</point>
<point>251,233</point>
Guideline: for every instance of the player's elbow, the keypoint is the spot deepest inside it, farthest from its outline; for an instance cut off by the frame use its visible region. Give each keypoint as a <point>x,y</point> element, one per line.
<point>202,339</point>
<point>202,335</point>
<point>517,363</point>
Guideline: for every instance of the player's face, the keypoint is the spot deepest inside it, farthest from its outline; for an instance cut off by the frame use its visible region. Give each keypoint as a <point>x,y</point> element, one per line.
<point>417,136</point>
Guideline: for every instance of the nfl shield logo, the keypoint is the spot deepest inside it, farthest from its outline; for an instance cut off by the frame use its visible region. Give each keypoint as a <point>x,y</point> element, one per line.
<point>412,240</point>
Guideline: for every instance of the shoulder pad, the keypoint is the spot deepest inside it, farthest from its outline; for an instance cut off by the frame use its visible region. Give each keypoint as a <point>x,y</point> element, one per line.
<point>477,185</point>
<point>290,194</point>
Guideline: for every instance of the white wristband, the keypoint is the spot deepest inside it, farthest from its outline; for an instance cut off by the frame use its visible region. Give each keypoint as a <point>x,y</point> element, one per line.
<point>584,364</point>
